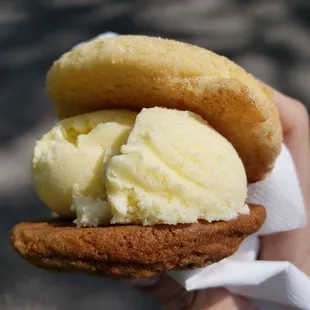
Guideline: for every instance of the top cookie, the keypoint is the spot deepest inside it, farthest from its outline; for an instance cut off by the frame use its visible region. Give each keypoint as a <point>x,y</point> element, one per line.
<point>134,72</point>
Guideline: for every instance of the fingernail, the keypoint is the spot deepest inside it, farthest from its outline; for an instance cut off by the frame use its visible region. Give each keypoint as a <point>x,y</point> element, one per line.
<point>145,281</point>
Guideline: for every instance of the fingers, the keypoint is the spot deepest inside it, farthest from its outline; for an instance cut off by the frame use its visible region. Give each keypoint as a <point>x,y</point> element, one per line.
<point>172,296</point>
<point>293,245</point>
<point>295,125</point>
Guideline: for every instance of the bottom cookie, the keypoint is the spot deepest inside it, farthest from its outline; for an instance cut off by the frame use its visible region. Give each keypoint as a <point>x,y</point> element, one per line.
<point>131,251</point>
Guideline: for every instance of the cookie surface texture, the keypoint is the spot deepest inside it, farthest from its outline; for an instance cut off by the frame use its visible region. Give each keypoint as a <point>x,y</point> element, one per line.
<point>131,251</point>
<point>133,72</point>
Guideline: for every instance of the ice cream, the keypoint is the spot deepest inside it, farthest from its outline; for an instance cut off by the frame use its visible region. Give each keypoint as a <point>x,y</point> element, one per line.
<point>173,169</point>
<point>160,166</point>
<point>69,162</point>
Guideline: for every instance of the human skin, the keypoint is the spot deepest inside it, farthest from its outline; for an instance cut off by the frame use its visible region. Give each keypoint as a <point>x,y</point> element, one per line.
<point>292,246</point>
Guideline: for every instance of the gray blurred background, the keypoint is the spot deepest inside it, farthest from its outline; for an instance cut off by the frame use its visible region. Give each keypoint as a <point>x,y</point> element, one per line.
<point>271,38</point>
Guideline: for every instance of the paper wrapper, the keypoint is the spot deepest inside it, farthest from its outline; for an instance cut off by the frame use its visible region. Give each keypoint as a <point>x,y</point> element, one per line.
<point>270,285</point>
<point>279,282</point>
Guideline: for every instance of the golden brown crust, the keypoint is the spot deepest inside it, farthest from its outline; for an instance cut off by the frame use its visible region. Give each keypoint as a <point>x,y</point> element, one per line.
<point>131,251</point>
<point>136,71</point>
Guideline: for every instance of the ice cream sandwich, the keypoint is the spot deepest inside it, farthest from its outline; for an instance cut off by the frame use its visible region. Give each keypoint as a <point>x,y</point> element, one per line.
<point>149,163</point>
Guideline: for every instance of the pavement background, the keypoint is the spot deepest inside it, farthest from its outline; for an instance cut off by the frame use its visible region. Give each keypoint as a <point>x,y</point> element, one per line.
<point>269,38</point>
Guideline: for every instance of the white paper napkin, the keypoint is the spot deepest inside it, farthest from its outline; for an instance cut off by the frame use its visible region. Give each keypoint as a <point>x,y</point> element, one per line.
<point>280,194</point>
<point>241,273</point>
<point>270,285</point>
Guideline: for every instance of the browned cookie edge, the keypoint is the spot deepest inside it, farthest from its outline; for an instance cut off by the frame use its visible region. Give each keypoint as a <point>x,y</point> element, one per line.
<point>131,251</point>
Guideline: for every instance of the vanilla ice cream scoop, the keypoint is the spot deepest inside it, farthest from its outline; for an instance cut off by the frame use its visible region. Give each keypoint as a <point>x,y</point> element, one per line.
<point>173,169</point>
<point>160,166</point>
<point>69,163</point>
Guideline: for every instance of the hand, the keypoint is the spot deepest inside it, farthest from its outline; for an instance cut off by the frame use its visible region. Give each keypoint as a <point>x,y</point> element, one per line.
<point>290,246</point>
<point>293,246</point>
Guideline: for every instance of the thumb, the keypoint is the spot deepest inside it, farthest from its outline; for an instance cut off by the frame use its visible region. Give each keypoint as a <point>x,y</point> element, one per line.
<point>172,296</point>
